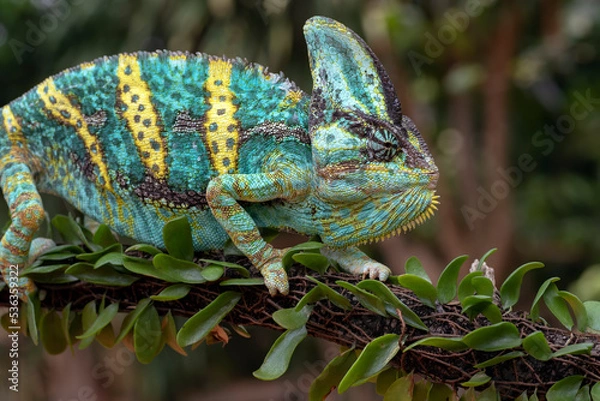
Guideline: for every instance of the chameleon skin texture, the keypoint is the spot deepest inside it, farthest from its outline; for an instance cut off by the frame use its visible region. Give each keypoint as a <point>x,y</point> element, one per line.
<point>134,140</point>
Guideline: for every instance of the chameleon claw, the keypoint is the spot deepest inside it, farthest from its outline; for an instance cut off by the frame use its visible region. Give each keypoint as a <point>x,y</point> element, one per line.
<point>276,278</point>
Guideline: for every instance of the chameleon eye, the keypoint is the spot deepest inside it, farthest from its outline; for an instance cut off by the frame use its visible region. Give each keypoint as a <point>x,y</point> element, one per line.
<point>383,145</point>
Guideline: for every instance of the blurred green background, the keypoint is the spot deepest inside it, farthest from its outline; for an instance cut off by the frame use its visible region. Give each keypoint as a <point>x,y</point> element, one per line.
<point>506,94</point>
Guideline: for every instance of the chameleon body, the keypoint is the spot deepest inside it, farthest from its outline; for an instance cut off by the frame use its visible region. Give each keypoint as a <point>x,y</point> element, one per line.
<point>135,140</point>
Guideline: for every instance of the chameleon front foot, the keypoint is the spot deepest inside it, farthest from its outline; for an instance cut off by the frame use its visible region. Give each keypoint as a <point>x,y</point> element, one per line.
<point>354,261</point>
<point>276,278</point>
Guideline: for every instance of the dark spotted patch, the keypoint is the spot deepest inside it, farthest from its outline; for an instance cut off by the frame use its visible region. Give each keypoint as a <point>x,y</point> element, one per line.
<point>52,99</point>
<point>65,114</point>
<point>135,98</point>
<point>141,107</point>
<point>126,88</point>
<point>215,147</point>
<point>155,145</point>
<point>137,118</point>
<point>153,190</point>
<point>147,122</point>
<point>231,128</point>
<point>128,70</point>
<point>222,98</point>
<point>213,127</point>
<point>184,122</point>
<point>141,135</point>
<point>85,166</point>
<point>226,162</point>
<point>277,130</point>
<point>146,154</point>
<point>98,119</point>
<point>230,143</point>
<point>220,112</point>
<point>218,82</point>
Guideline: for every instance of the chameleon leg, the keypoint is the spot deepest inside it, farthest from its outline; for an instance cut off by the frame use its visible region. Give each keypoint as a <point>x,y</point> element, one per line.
<point>27,214</point>
<point>354,261</point>
<point>222,194</point>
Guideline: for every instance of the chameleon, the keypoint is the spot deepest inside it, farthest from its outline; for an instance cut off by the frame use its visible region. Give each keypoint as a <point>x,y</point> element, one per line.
<point>136,139</point>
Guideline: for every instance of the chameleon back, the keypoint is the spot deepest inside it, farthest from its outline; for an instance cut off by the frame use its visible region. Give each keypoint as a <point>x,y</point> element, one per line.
<point>132,140</point>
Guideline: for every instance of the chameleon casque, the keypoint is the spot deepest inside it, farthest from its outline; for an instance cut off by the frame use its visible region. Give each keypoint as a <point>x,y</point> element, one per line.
<point>134,140</point>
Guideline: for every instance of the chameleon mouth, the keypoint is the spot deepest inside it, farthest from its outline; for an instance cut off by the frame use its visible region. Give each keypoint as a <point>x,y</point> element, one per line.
<point>420,219</point>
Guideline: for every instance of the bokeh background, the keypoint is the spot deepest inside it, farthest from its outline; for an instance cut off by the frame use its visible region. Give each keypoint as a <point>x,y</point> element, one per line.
<point>506,93</point>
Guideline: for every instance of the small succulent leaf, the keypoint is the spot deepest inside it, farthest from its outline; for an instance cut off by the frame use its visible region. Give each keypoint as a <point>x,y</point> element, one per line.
<point>534,397</point>
<point>331,376</point>
<point>291,319</point>
<point>536,345</point>
<point>178,270</point>
<point>473,304</point>
<point>522,397</point>
<point>421,391</point>
<point>72,232</point>
<point>595,392</point>
<point>147,335</point>
<point>311,297</point>
<point>385,294</point>
<point>104,236</point>
<point>131,318</point>
<point>104,318</point>
<point>466,287</point>
<point>373,358</point>
<point>574,349</point>
<point>401,390</point>
<point>112,258</point>
<point>33,313</point>
<point>177,235</point>
<point>278,358</point>
<point>441,392</point>
<point>52,335</point>
<point>198,326</point>
<point>447,343</point>
<point>385,380</point>
<point>534,312</point>
<point>489,394</point>
<point>52,278</point>
<point>145,248</point>
<point>66,320</point>
<point>483,285</point>
<point>578,309</point>
<point>310,246</point>
<point>484,258</point>
<point>510,289</point>
<point>565,389</point>
<point>332,295</point>
<point>558,306</point>
<point>106,336</point>
<point>422,288</point>
<point>243,281</point>
<point>170,333</point>
<point>493,313</point>
<point>92,257</point>
<point>241,270</point>
<point>88,317</point>
<point>42,269</point>
<point>104,275</point>
<point>469,395</point>
<point>583,394</point>
<point>312,260</point>
<point>62,249</point>
<point>145,267</point>
<point>497,337</point>
<point>499,359</point>
<point>447,283</point>
<point>368,300</point>
<point>212,272</point>
<point>593,311</point>
<point>480,378</point>
<point>172,293</point>
<point>414,266</point>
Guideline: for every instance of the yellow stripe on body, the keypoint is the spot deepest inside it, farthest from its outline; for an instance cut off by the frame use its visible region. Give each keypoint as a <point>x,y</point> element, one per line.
<point>60,107</point>
<point>13,128</point>
<point>221,127</point>
<point>141,116</point>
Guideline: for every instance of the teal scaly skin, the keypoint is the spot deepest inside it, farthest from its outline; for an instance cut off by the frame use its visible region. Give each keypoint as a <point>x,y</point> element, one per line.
<point>135,140</point>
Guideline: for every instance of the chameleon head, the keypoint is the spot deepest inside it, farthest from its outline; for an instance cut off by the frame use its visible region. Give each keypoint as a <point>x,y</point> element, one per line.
<point>374,175</point>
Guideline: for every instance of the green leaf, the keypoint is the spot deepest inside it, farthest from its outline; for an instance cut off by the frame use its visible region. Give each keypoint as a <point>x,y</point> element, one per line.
<point>332,375</point>
<point>489,394</point>
<point>497,337</point>
<point>332,295</point>
<point>147,335</point>
<point>577,308</point>
<point>72,232</point>
<point>131,318</point>
<point>66,324</point>
<point>583,394</point>
<point>483,285</point>
<point>565,389</point>
<point>492,313</point>
<point>241,270</point>
<point>103,319</point>
<point>447,283</point>
<point>574,349</point>
<point>172,293</point>
<point>447,343</point>
<point>536,345</point>
<point>88,317</point>
<point>368,300</point>
<point>484,258</point>
<point>42,269</point>
<point>291,318</point>
<point>309,246</point>
<point>401,390</point>
<point>112,258</point>
<point>104,275</point>
<point>278,358</point>
<point>510,289</point>
<point>595,392</point>
<point>104,236</point>
<point>243,281</point>
<point>466,287</point>
<point>170,334</point>
<point>413,266</point>
<point>441,392</point>
<point>499,359</point>
<point>145,267</point>
<point>51,333</point>
<point>312,260</point>
<point>385,380</point>
<point>33,312</point>
<point>473,304</point>
<point>372,359</point>
<point>593,312</point>
<point>479,379</point>
<point>149,249</point>
<point>92,257</point>
<point>522,397</point>
<point>178,270</point>
<point>177,235</point>
<point>558,306</point>
<point>535,306</point>
<point>212,272</point>
<point>421,287</point>
<point>385,294</point>
<point>199,325</point>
